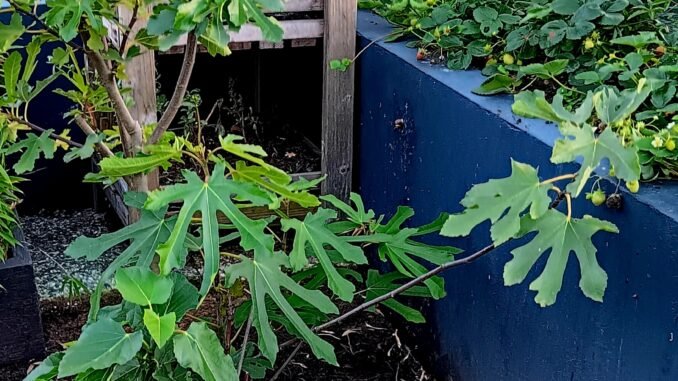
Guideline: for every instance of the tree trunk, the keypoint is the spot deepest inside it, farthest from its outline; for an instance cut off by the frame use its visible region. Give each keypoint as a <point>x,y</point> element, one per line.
<point>141,79</point>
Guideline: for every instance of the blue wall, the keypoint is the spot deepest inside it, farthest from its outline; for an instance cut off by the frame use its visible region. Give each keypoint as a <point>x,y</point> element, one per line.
<point>53,184</point>
<point>484,330</point>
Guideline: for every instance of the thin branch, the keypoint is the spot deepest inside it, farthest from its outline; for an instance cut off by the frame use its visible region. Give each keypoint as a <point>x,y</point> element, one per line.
<point>37,128</point>
<point>179,91</point>
<point>88,130</point>
<point>414,282</point>
<point>243,351</point>
<point>130,26</point>
<point>287,362</point>
<point>125,118</point>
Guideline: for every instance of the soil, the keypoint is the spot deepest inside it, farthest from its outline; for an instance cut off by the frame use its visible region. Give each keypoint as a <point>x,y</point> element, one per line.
<point>367,347</point>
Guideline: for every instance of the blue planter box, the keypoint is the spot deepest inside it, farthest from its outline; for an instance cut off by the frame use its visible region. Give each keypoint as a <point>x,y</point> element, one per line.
<point>483,330</point>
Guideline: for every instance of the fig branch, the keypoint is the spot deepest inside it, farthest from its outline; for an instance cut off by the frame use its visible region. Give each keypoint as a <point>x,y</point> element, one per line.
<point>406,286</point>
<point>180,90</point>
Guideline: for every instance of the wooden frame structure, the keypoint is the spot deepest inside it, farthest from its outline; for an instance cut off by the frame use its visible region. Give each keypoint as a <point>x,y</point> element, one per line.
<point>304,23</point>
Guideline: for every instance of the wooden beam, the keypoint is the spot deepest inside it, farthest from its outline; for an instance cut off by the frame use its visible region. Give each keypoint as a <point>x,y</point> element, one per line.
<point>338,94</point>
<point>292,29</point>
<point>301,6</point>
<point>141,79</point>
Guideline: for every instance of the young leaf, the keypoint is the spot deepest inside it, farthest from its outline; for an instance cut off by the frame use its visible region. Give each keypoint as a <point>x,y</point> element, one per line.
<point>400,249</point>
<point>101,344</point>
<point>11,70</point>
<point>209,198</point>
<point>583,142</point>
<point>358,215</point>
<point>269,180</point>
<point>114,168</point>
<point>199,349</point>
<point>378,285</point>
<point>561,235</point>
<point>502,201</point>
<point>161,328</point>
<point>396,245</point>
<point>313,232</point>
<point>265,278</point>
<point>142,286</point>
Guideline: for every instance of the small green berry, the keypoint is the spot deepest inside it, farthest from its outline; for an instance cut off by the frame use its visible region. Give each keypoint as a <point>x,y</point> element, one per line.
<point>598,197</point>
<point>633,186</point>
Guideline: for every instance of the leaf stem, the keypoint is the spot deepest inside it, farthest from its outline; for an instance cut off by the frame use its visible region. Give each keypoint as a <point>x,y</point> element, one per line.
<point>552,180</point>
<point>568,197</point>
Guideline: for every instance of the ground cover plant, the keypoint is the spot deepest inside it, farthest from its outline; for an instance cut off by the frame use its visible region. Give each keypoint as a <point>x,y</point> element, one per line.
<point>569,48</point>
<point>287,274</point>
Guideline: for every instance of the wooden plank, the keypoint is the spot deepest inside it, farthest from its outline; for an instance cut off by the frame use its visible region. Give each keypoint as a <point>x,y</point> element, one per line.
<point>304,42</point>
<point>302,6</point>
<point>292,29</point>
<point>271,45</point>
<point>338,99</point>
<point>141,78</point>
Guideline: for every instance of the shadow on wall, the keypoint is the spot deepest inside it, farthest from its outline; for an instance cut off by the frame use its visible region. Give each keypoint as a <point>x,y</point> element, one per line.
<point>53,183</point>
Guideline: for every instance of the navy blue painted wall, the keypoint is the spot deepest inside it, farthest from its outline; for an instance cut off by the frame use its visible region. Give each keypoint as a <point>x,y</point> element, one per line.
<point>484,330</point>
<point>53,184</point>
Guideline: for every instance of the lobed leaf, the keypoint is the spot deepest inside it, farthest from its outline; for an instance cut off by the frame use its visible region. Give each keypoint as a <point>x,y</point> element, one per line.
<point>560,235</point>
<point>502,201</point>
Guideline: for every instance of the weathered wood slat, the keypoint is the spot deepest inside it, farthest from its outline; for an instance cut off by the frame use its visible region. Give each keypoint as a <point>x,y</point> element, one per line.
<point>303,5</point>
<point>338,94</point>
<point>292,30</point>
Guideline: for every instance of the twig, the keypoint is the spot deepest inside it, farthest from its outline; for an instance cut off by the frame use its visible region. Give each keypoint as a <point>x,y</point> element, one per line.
<point>180,91</point>
<point>243,351</point>
<point>132,21</point>
<point>37,128</point>
<point>287,362</point>
<point>414,282</point>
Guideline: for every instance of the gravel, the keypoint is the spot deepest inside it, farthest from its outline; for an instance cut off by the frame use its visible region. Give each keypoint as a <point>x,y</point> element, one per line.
<point>48,234</point>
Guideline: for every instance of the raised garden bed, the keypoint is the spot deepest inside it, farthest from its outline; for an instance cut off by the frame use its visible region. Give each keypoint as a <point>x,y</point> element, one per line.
<point>450,139</point>
<point>21,338</point>
<point>368,349</point>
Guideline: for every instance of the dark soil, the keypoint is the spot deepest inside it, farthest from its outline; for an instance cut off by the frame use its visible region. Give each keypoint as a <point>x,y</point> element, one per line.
<point>367,348</point>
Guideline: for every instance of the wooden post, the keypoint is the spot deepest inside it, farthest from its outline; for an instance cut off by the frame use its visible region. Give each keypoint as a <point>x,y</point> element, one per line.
<point>141,79</point>
<point>338,97</point>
